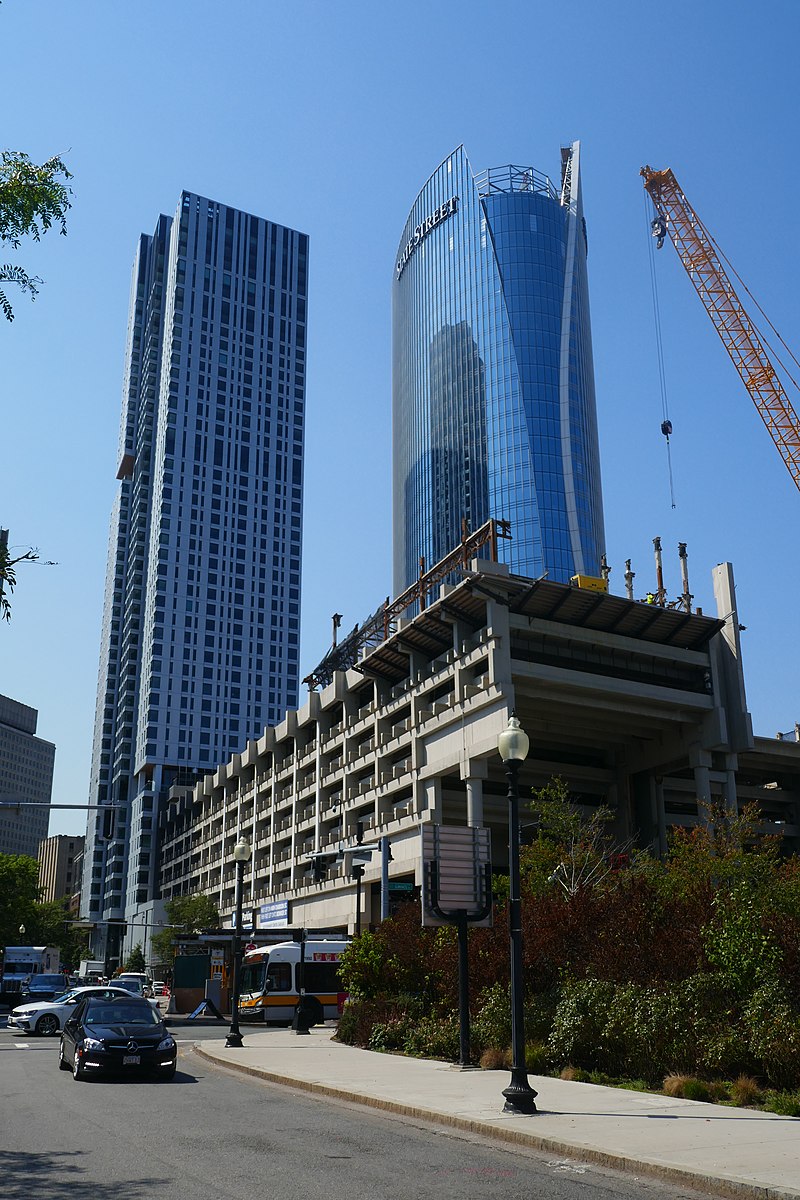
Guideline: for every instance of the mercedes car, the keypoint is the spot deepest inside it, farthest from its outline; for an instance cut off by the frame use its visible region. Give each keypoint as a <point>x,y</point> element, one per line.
<point>123,1035</point>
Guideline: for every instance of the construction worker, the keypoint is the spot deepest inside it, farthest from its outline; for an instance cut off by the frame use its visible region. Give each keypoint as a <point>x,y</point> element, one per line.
<point>649,598</point>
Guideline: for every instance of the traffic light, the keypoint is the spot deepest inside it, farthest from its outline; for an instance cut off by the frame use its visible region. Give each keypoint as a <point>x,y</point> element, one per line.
<point>319,868</point>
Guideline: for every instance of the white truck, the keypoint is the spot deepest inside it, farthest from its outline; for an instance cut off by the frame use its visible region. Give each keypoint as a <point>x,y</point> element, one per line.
<point>22,963</point>
<point>91,966</point>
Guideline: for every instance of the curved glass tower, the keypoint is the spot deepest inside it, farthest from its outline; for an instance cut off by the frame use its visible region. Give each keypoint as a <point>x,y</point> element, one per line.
<point>493,381</point>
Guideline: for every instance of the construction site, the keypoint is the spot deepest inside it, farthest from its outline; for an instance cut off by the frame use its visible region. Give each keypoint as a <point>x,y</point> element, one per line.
<point>637,703</point>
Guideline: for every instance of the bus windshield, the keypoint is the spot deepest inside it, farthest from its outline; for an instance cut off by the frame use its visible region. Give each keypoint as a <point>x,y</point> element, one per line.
<point>252,978</point>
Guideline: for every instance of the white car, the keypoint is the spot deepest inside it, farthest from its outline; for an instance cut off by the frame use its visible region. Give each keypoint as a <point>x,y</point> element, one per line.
<point>47,1017</point>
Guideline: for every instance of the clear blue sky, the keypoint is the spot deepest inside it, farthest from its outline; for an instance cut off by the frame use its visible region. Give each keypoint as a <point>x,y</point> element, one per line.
<point>329,116</point>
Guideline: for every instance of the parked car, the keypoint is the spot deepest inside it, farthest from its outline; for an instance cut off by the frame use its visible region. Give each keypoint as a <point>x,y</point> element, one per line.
<point>158,987</point>
<point>44,987</point>
<point>47,1017</point>
<point>144,979</point>
<point>123,1034</point>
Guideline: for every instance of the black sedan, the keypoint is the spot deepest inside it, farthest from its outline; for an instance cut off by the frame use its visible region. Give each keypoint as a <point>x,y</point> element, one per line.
<point>123,1034</point>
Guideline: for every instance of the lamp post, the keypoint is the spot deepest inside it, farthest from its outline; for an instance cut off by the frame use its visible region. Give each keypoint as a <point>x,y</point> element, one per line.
<point>241,856</point>
<point>513,745</point>
<point>22,932</point>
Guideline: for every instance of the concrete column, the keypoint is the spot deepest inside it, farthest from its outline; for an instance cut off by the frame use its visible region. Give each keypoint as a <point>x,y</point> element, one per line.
<point>661,816</point>
<point>475,802</point>
<point>731,798</point>
<point>433,798</point>
<point>702,783</point>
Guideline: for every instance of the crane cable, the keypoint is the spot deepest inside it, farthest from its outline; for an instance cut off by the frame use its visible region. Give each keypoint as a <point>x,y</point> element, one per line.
<point>759,332</point>
<point>666,424</point>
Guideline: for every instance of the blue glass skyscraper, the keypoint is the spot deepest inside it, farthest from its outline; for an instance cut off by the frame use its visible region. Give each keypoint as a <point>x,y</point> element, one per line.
<point>493,380</point>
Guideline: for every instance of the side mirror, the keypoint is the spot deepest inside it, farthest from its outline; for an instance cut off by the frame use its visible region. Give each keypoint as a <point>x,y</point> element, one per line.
<point>269,985</point>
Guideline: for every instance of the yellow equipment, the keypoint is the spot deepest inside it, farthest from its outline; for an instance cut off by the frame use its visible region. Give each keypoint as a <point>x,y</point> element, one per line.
<point>698,253</point>
<point>591,583</point>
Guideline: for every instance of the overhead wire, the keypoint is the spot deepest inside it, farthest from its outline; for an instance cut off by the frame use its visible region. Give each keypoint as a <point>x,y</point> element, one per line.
<point>666,424</point>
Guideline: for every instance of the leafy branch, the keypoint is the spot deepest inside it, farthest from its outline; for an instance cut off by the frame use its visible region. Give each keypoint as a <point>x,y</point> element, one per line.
<point>33,198</point>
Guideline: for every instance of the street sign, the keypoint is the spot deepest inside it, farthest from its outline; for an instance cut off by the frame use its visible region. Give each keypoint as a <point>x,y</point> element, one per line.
<point>456,857</point>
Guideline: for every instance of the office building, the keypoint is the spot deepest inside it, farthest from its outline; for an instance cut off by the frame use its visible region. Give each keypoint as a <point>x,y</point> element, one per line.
<point>493,381</point>
<point>26,779</point>
<point>59,860</point>
<point>200,637</point>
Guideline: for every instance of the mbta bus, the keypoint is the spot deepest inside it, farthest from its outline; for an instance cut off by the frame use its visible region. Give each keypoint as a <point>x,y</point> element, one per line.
<point>270,983</point>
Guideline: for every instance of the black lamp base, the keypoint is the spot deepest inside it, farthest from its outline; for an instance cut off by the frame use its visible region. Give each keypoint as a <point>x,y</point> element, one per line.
<point>520,1096</point>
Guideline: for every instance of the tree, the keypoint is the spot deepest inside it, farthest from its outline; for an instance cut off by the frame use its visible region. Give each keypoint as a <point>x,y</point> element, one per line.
<point>8,575</point>
<point>186,914</point>
<point>19,894</point>
<point>135,960</point>
<point>32,199</point>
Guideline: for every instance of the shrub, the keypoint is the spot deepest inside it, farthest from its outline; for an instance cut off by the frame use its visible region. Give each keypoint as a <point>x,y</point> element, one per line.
<point>495,1059</point>
<point>772,1029</point>
<point>696,1089</point>
<point>390,1035</point>
<point>785,1103</point>
<point>537,1058</point>
<point>434,1037</point>
<point>580,1019</point>
<point>491,1026</point>
<point>674,1084</point>
<point>745,1092</point>
<point>575,1074</point>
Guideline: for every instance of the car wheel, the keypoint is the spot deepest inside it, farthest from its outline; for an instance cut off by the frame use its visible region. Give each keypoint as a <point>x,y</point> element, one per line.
<point>63,1065</point>
<point>77,1069</point>
<point>47,1025</point>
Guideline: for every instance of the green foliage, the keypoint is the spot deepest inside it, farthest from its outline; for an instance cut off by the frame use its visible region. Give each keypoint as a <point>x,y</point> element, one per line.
<point>772,1029</point>
<point>785,1103</point>
<point>491,1025</point>
<point>19,894</point>
<point>192,914</point>
<point>690,966</point>
<point>32,199</point>
<point>135,960</point>
<point>186,914</point>
<point>434,1037</point>
<point>735,940</point>
<point>364,967</point>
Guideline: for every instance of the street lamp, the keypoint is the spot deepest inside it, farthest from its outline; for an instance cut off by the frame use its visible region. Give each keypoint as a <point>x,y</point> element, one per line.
<point>22,931</point>
<point>513,745</point>
<point>241,856</point>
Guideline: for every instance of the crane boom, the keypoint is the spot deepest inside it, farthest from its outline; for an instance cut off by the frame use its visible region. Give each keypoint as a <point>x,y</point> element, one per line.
<point>702,263</point>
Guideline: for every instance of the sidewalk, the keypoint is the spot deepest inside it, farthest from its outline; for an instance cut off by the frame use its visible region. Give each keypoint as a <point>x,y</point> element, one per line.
<point>720,1150</point>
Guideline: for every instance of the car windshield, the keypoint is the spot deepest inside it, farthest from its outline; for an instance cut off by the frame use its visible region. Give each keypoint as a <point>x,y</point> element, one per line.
<point>64,997</point>
<point>41,982</point>
<point>130,985</point>
<point>110,1012</point>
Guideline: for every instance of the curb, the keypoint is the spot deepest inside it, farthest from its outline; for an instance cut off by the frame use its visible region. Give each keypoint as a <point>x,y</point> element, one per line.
<point>711,1184</point>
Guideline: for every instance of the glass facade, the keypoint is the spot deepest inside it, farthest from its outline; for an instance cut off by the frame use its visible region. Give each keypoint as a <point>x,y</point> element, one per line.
<point>493,381</point>
<point>200,640</point>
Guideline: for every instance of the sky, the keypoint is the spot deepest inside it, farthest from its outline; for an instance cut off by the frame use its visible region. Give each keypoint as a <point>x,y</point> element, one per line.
<point>329,116</point>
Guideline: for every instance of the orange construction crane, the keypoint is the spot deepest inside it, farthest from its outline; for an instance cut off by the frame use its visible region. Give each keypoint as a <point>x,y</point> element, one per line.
<point>697,250</point>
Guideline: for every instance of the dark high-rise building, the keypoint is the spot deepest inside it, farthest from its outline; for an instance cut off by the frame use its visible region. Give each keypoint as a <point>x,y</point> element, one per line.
<point>493,381</point>
<point>26,777</point>
<point>200,641</point>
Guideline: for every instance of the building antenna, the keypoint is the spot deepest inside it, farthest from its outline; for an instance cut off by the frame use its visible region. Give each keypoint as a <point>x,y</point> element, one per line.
<point>658,230</point>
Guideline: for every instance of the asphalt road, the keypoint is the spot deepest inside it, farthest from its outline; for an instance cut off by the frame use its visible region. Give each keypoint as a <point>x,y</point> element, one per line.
<point>213,1135</point>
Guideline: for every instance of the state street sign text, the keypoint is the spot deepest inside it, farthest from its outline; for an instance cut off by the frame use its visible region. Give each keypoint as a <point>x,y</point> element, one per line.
<point>422,230</point>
